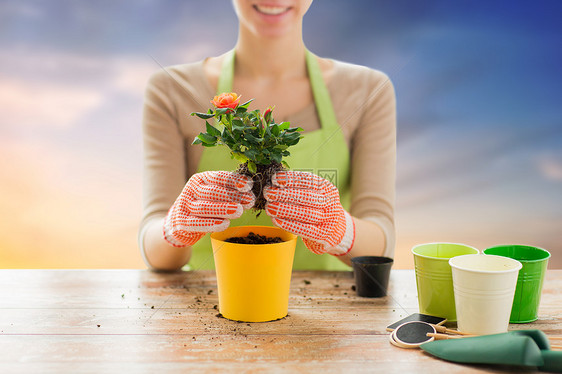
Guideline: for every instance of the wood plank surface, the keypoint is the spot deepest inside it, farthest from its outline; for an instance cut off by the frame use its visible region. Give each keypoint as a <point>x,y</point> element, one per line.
<point>95,321</point>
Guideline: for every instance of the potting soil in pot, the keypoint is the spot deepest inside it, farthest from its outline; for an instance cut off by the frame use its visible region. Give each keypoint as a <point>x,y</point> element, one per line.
<point>253,238</point>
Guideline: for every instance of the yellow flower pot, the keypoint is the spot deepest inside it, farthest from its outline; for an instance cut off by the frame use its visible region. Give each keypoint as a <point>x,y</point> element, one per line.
<point>253,279</point>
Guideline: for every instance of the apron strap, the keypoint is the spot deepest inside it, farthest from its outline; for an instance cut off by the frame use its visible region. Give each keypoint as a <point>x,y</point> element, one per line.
<point>227,73</point>
<point>225,79</point>
<point>324,108</point>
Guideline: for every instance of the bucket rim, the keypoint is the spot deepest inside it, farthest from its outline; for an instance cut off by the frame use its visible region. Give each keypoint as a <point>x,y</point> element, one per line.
<point>292,237</point>
<point>442,258</point>
<point>518,265</point>
<point>521,246</point>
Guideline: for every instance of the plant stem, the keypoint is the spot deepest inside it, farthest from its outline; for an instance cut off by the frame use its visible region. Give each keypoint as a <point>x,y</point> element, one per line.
<point>261,179</point>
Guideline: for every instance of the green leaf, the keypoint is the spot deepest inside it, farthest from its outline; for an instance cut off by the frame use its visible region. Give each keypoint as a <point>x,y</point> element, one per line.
<point>226,134</point>
<point>275,130</point>
<point>231,144</point>
<point>250,153</point>
<point>245,105</point>
<point>293,129</point>
<point>238,125</point>
<point>284,125</point>
<point>262,160</point>
<point>252,167</point>
<point>276,157</point>
<point>228,139</point>
<point>291,142</point>
<point>212,130</point>
<point>284,163</point>
<point>292,136</point>
<point>207,139</point>
<point>245,143</point>
<point>239,156</point>
<point>196,141</point>
<point>220,111</point>
<point>281,146</point>
<point>254,115</point>
<point>267,132</point>
<point>252,138</point>
<point>203,115</point>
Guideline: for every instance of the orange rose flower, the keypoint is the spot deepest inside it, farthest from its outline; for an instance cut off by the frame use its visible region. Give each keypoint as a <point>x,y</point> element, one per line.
<point>226,100</point>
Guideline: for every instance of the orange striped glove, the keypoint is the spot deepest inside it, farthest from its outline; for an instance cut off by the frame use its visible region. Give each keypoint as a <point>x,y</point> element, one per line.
<point>207,203</point>
<point>309,206</point>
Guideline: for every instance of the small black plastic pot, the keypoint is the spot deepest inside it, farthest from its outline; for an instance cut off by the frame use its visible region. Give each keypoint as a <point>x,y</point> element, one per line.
<point>371,275</point>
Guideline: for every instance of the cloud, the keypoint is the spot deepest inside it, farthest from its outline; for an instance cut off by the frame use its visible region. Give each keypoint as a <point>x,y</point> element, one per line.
<point>12,9</point>
<point>33,104</point>
<point>550,166</point>
<point>200,50</point>
<point>56,89</point>
<point>131,75</point>
<point>73,68</point>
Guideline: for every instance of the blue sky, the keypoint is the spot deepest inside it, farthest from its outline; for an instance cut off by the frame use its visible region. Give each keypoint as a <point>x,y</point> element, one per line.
<point>478,91</point>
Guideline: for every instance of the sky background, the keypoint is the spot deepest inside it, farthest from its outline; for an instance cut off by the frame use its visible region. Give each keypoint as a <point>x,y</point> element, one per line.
<point>478,88</point>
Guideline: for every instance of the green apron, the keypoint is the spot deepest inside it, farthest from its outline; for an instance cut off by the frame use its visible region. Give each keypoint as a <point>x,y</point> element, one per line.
<point>323,152</point>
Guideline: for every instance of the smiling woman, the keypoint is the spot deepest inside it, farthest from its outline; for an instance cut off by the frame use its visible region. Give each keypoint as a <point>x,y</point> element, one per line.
<point>342,205</point>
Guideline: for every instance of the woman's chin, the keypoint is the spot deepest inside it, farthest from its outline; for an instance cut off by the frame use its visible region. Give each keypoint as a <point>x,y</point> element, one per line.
<point>273,32</point>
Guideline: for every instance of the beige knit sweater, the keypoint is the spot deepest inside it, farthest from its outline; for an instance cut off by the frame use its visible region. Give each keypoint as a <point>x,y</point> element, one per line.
<point>364,103</point>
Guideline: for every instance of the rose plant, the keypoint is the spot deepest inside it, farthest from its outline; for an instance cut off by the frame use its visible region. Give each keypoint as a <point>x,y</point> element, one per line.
<point>254,139</point>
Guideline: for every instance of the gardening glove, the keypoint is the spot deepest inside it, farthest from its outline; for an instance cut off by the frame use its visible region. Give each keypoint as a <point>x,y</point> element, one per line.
<point>207,203</point>
<point>309,206</point>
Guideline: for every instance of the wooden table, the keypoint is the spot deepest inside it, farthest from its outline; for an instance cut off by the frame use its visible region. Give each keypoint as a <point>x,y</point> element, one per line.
<point>131,321</point>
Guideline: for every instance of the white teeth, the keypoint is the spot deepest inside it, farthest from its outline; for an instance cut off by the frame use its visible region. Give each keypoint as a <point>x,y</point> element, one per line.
<point>270,10</point>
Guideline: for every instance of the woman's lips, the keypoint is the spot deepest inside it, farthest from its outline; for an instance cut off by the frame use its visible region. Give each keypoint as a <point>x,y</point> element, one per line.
<point>271,10</point>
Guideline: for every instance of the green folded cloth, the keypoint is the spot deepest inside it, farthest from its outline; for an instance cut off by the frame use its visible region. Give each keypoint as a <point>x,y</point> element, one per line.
<point>522,347</point>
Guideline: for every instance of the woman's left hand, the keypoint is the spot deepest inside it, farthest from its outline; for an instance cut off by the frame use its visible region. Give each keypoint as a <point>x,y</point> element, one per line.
<point>309,206</point>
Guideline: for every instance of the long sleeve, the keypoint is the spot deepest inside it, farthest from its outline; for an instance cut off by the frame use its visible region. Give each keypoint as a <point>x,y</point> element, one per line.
<point>164,171</point>
<point>365,104</point>
<point>373,161</point>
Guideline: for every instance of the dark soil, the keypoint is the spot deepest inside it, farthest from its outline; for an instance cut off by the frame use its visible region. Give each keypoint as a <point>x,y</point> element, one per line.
<point>261,178</point>
<point>252,238</point>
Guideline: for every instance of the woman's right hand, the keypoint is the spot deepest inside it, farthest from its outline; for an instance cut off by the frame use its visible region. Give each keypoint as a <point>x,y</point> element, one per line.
<point>207,203</point>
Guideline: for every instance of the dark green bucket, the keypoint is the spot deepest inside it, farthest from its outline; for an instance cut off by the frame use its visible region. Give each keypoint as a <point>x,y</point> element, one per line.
<point>529,282</point>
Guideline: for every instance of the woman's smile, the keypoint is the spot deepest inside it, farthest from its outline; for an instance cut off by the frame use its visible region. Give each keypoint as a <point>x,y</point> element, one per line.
<point>272,13</point>
<point>271,10</point>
